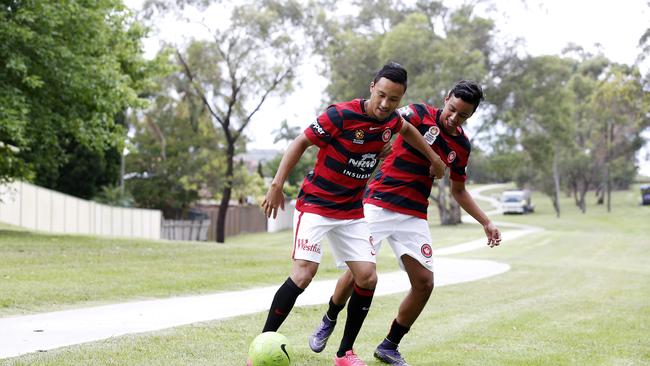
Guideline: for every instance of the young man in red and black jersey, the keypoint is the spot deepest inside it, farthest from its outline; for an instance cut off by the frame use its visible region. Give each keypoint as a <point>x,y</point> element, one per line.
<point>395,207</point>
<point>350,136</point>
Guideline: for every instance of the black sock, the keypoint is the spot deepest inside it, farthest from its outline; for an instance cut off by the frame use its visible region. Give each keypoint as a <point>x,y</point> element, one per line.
<point>334,310</point>
<point>358,307</point>
<point>282,304</point>
<point>397,331</point>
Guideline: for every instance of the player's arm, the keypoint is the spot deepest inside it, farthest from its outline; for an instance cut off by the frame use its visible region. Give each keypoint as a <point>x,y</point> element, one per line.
<point>465,200</point>
<point>415,139</point>
<point>274,196</point>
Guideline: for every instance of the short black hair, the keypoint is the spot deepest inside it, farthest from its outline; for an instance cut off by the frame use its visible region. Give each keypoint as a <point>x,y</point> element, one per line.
<point>393,72</point>
<point>469,91</point>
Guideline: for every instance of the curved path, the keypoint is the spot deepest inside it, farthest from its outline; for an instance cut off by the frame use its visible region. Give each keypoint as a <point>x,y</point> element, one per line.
<point>39,332</point>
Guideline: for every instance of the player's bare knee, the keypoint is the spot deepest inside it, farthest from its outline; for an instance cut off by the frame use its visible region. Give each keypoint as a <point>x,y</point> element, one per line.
<point>302,279</point>
<point>367,280</point>
<point>424,285</point>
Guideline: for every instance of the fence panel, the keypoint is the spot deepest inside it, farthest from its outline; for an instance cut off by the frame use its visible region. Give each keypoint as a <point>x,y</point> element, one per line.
<point>194,230</point>
<point>37,208</point>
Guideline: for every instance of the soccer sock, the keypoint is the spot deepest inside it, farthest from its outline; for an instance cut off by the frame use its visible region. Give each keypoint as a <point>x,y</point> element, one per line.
<point>358,307</point>
<point>397,331</point>
<point>334,310</point>
<point>282,304</point>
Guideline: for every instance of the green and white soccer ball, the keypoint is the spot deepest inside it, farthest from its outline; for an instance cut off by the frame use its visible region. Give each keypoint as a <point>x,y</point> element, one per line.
<point>270,349</point>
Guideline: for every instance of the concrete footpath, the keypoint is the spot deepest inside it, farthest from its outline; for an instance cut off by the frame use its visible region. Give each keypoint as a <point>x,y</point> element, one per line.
<point>39,332</point>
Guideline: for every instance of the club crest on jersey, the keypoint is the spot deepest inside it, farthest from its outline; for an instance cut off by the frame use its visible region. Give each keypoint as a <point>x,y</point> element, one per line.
<point>358,137</point>
<point>451,157</point>
<point>386,135</point>
<point>426,250</point>
<point>431,135</point>
<point>405,111</point>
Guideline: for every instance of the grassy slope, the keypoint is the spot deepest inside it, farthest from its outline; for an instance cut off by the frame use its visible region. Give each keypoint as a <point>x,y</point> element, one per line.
<point>578,294</point>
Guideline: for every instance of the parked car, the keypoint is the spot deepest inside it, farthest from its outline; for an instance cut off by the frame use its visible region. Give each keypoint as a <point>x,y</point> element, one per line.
<point>516,201</point>
<point>645,194</point>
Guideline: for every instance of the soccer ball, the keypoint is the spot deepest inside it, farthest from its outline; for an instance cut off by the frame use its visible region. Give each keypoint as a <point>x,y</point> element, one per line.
<point>270,349</point>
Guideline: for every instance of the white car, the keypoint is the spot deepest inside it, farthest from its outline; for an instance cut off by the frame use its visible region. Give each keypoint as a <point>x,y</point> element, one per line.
<point>516,201</point>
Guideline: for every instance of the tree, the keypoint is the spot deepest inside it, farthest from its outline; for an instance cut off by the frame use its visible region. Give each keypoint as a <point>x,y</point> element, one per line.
<point>250,60</point>
<point>536,106</point>
<point>435,58</point>
<point>302,167</point>
<point>69,70</point>
<point>175,151</point>
<point>619,123</point>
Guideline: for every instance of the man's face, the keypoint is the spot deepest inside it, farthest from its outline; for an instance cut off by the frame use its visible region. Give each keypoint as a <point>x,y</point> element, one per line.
<point>385,96</point>
<point>455,113</point>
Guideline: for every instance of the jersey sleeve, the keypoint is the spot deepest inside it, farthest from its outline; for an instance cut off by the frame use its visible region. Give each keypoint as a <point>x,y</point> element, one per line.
<point>458,168</point>
<point>325,127</point>
<point>409,114</point>
<point>459,174</point>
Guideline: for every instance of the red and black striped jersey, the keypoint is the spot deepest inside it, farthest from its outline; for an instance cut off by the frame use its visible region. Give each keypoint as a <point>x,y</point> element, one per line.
<point>350,142</point>
<point>402,183</point>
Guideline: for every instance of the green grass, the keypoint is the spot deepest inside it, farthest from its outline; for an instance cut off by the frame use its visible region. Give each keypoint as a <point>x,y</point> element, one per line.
<point>578,293</point>
<point>42,272</point>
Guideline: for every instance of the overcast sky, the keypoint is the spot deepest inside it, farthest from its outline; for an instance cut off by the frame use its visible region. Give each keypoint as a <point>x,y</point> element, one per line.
<point>547,26</point>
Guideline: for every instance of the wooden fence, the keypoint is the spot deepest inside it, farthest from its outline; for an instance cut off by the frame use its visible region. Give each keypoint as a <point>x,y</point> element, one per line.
<point>196,230</point>
<point>239,219</point>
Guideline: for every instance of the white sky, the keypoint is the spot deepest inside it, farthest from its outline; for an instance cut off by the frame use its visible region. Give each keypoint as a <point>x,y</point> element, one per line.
<point>547,26</point>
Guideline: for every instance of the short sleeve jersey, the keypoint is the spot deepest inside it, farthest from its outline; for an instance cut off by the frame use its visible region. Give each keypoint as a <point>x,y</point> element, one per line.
<point>402,183</point>
<point>350,142</point>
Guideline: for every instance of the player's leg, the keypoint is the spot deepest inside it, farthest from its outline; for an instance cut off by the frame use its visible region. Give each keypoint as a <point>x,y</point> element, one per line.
<point>302,273</point>
<point>421,279</point>
<point>352,246</point>
<point>411,307</point>
<point>411,245</point>
<point>309,229</point>
<point>342,292</point>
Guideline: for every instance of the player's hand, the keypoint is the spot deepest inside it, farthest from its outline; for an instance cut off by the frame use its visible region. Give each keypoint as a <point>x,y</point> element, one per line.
<point>274,198</point>
<point>493,234</point>
<point>386,150</point>
<point>437,169</point>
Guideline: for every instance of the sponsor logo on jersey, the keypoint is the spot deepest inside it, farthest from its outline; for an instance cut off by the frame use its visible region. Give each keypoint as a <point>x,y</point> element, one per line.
<point>367,162</point>
<point>431,135</point>
<point>386,135</point>
<point>358,137</point>
<point>451,157</point>
<point>317,128</point>
<point>426,250</point>
<point>303,244</point>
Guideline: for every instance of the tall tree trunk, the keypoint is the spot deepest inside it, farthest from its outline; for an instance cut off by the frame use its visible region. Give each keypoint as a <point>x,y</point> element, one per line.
<point>227,191</point>
<point>556,183</point>
<point>583,203</point>
<point>454,211</point>
<point>448,208</point>
<point>608,176</point>
<point>608,188</point>
<point>442,202</point>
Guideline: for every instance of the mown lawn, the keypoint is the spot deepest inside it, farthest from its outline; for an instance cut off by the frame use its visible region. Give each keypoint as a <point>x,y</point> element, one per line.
<point>578,293</point>
<point>42,272</point>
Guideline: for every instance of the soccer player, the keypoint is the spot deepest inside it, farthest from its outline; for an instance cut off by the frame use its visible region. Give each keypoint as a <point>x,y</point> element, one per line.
<point>350,136</point>
<point>395,207</point>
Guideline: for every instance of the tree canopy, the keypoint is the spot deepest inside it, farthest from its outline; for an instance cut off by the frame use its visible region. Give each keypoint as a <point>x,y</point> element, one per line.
<point>70,70</point>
